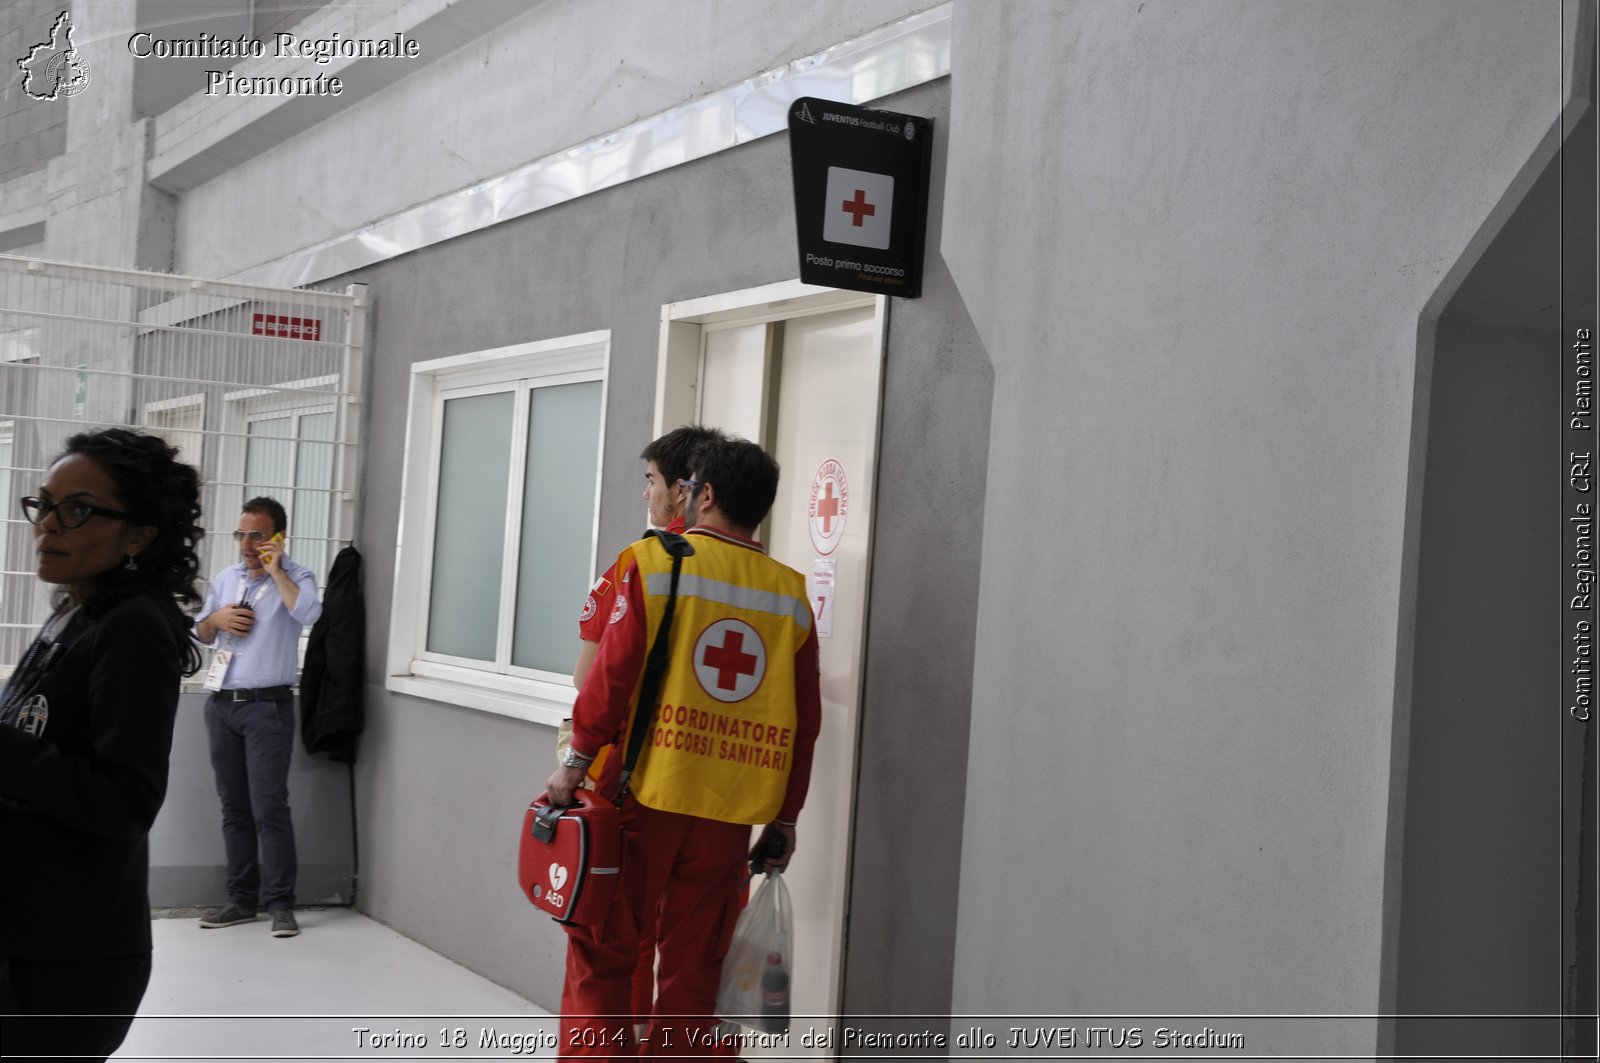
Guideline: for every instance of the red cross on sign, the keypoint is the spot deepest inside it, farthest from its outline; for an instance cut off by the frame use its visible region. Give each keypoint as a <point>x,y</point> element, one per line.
<point>730,660</point>
<point>858,208</point>
<point>827,507</point>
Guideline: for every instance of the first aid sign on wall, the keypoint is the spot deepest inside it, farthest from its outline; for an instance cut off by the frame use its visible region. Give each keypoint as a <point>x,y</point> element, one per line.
<point>860,195</point>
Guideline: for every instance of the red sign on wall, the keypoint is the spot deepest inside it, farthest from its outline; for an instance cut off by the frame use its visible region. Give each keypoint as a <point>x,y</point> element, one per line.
<point>293,328</point>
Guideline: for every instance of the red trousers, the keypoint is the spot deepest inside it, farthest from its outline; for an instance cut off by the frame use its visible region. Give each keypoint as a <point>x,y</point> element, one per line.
<point>685,877</point>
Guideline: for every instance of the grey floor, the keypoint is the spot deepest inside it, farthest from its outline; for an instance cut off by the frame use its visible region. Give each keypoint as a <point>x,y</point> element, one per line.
<point>240,994</point>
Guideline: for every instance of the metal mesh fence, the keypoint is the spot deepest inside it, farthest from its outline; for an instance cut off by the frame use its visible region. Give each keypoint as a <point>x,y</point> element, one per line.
<point>258,387</point>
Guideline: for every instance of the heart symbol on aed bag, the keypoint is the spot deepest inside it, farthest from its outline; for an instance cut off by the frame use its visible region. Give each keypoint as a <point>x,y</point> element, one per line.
<point>558,876</point>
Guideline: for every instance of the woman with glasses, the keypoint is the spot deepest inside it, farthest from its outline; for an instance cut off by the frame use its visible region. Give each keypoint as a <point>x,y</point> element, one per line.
<point>85,730</point>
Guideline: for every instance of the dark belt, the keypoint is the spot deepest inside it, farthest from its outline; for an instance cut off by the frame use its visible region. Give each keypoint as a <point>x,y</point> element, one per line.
<point>261,694</point>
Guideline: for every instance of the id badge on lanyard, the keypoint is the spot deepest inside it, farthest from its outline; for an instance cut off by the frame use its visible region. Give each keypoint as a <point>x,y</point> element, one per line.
<point>224,656</point>
<point>218,670</point>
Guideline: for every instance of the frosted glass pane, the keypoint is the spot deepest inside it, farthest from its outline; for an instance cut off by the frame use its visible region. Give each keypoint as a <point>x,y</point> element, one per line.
<point>269,458</point>
<point>474,474</point>
<point>308,517</point>
<point>557,524</point>
<point>733,380</point>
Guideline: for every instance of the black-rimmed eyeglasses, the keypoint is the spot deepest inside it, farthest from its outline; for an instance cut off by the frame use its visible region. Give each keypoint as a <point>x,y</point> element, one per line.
<point>69,514</point>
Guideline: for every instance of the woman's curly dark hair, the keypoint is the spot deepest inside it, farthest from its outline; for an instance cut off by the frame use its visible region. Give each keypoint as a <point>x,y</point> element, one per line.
<point>155,489</point>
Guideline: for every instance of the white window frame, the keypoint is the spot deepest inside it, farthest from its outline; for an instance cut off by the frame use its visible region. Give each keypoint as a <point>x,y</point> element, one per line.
<point>293,398</point>
<point>503,688</point>
<point>16,348</point>
<point>239,409</point>
<point>296,398</point>
<point>17,345</point>
<point>160,415</point>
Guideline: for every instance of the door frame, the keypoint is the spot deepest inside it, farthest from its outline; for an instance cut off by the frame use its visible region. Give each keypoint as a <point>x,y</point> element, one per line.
<point>678,356</point>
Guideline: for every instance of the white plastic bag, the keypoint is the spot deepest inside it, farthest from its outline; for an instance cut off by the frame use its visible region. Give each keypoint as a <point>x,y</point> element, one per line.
<point>756,971</point>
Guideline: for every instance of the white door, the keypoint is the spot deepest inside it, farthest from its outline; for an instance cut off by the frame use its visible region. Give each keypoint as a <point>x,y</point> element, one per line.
<point>806,388</point>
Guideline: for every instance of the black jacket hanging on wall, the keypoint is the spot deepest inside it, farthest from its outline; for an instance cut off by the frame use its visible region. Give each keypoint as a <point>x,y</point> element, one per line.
<point>332,709</point>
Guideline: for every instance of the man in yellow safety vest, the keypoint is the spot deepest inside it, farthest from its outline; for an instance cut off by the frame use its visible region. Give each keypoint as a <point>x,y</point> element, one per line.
<point>729,747</point>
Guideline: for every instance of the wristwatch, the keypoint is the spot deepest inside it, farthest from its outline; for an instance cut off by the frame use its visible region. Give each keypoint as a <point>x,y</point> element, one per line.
<point>571,758</point>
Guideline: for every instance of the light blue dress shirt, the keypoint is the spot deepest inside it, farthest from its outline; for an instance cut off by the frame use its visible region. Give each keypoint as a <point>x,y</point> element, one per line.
<point>269,655</point>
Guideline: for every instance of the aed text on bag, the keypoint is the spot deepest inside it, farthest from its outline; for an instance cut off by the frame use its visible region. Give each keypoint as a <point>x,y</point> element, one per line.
<point>722,737</point>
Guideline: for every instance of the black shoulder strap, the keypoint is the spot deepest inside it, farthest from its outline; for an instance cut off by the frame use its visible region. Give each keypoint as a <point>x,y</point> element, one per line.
<point>655,665</point>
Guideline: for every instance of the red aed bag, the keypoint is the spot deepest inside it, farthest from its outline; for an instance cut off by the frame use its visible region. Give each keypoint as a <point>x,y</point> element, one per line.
<point>570,859</point>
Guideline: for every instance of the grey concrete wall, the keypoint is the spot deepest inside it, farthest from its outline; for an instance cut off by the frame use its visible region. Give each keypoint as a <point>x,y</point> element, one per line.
<point>187,862</point>
<point>917,702</point>
<point>440,797</point>
<point>441,788</point>
<point>537,84</point>
<point>1478,926</point>
<point>90,193</point>
<point>1196,240</point>
<point>160,84</point>
<point>32,132</point>
<point>1489,771</point>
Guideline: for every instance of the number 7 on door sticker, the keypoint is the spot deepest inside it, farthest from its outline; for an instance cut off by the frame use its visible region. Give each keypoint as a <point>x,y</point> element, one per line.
<point>821,591</point>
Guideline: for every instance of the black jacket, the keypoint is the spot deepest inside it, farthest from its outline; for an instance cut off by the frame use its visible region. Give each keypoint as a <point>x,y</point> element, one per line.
<point>332,706</point>
<point>77,801</point>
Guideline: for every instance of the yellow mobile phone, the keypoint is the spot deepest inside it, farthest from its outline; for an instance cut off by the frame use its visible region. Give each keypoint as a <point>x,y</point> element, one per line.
<point>267,548</point>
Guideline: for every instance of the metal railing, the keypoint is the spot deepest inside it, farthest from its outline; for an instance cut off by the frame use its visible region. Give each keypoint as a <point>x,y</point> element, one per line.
<point>258,387</point>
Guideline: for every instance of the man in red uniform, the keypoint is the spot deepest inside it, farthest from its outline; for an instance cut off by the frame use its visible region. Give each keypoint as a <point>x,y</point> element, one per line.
<point>730,747</point>
<point>666,472</point>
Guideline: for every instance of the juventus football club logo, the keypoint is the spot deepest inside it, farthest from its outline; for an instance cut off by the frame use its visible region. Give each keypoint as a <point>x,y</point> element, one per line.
<point>35,715</point>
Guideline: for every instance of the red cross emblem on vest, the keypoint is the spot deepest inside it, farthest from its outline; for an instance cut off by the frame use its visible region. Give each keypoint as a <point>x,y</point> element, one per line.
<point>730,660</point>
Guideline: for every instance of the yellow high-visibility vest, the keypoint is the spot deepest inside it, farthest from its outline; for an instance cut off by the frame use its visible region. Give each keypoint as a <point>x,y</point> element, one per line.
<point>721,744</point>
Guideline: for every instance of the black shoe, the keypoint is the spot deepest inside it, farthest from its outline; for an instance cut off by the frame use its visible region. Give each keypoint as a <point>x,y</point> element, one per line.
<point>232,915</point>
<point>283,924</point>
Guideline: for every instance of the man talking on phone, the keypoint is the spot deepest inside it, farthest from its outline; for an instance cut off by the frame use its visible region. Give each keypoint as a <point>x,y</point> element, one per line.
<point>253,615</point>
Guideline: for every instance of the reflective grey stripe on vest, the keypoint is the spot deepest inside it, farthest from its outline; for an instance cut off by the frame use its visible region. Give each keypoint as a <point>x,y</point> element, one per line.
<point>715,590</point>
